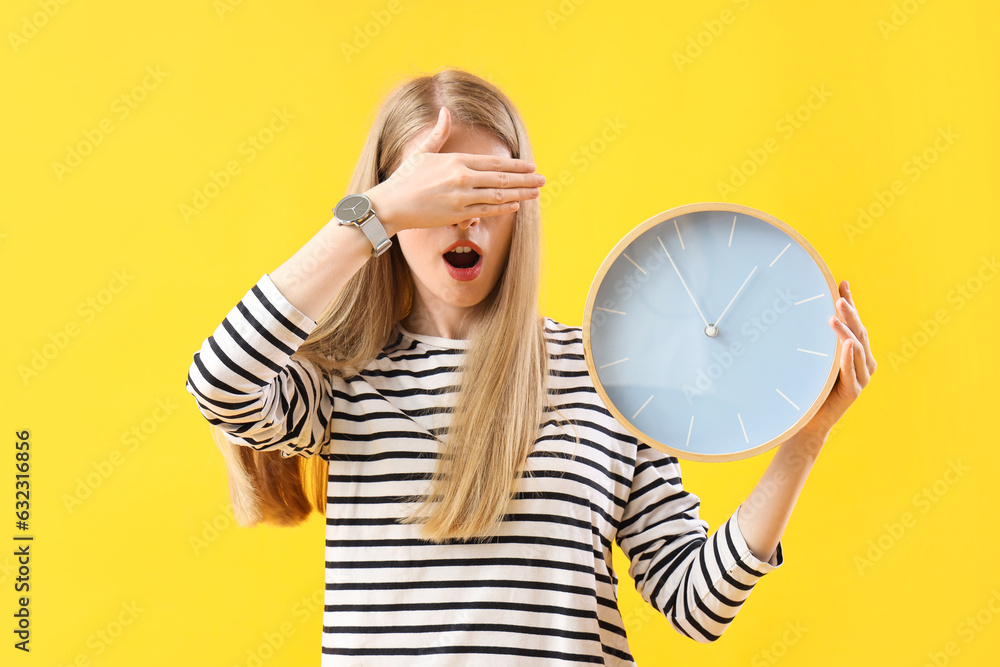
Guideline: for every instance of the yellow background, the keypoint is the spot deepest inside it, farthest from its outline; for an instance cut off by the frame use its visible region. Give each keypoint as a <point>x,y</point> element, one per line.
<point>119,577</point>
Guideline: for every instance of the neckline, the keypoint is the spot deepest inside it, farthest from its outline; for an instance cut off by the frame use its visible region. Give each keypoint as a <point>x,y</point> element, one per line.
<point>460,344</point>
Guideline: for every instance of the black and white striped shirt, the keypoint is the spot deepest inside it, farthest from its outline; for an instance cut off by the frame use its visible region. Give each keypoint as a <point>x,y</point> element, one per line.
<point>543,591</point>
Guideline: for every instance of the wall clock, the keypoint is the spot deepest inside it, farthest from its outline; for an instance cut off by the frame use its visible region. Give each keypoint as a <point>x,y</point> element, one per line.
<point>706,331</point>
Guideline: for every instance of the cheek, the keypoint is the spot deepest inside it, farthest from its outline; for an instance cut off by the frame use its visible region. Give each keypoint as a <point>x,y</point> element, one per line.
<point>505,239</point>
<point>417,249</point>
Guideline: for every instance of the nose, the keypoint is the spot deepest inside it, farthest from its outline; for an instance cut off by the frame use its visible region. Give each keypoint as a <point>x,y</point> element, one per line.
<point>465,224</point>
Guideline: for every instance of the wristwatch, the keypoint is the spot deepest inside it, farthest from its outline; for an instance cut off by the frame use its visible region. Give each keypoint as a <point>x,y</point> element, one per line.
<point>357,210</point>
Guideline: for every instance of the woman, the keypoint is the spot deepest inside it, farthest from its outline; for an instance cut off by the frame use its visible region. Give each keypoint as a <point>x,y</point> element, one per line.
<point>473,483</point>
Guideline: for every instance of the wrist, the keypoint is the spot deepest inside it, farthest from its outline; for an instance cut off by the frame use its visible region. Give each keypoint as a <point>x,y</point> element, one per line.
<point>806,445</point>
<point>381,209</point>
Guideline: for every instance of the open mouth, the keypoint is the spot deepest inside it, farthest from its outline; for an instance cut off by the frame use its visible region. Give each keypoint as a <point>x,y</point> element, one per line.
<point>462,257</point>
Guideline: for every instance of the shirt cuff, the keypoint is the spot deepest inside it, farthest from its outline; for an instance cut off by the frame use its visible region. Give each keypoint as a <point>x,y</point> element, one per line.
<point>739,560</point>
<point>285,307</point>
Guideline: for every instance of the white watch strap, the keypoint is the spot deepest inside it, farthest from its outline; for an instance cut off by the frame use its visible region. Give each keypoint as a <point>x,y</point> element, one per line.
<point>373,229</point>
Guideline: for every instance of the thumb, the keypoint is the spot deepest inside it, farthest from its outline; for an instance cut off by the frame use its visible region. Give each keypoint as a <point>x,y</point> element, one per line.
<point>433,142</point>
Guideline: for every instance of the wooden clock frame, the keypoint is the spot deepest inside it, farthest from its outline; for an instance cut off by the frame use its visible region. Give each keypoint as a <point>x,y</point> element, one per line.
<point>614,255</point>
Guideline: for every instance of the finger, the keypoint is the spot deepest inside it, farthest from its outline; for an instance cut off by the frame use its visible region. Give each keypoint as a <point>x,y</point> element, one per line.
<point>849,313</point>
<point>847,336</point>
<point>860,364</point>
<point>488,210</point>
<point>848,369</point>
<point>845,291</point>
<point>871,364</point>
<point>435,139</point>
<point>504,179</point>
<point>497,163</point>
<point>501,195</point>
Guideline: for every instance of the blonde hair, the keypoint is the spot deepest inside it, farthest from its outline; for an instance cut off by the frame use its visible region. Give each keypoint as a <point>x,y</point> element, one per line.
<point>496,418</point>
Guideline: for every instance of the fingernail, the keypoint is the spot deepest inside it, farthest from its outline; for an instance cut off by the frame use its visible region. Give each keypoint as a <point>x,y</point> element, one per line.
<point>848,286</point>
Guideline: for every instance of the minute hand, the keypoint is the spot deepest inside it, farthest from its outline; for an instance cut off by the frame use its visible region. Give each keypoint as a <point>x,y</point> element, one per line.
<point>734,296</point>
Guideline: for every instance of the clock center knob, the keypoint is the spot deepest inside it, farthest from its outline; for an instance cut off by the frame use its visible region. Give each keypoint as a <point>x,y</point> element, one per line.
<point>711,330</point>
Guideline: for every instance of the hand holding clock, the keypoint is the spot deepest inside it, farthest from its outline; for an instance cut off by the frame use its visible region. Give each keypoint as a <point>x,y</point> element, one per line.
<point>772,375</point>
<point>765,513</point>
<point>857,364</point>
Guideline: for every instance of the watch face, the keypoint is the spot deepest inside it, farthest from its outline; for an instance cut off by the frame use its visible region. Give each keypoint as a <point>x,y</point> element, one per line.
<point>707,331</point>
<point>352,208</point>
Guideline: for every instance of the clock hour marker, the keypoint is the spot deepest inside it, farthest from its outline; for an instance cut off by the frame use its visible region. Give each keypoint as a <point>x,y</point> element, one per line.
<point>731,232</point>
<point>613,363</point>
<point>787,399</point>
<point>633,262</point>
<point>643,406</point>
<point>779,255</point>
<point>819,354</point>
<point>678,235</point>
<point>818,296</point>
<point>690,426</point>
<point>608,310</point>
<point>743,427</point>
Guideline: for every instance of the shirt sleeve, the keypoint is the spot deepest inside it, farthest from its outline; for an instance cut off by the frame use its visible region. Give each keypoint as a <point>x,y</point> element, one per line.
<point>245,382</point>
<point>698,582</point>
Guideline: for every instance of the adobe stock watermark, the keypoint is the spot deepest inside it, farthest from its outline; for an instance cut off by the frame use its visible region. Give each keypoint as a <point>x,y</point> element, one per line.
<point>967,630</point>
<point>271,642</point>
<point>785,127</point>
<point>59,340</point>
<point>212,529</point>
<point>268,645</point>
<point>914,167</point>
<point>805,449</point>
<point>364,34</point>
<point>105,636</point>
<point>122,107</point>
<point>751,330</point>
<point>900,16</point>
<point>638,616</point>
<point>581,158</point>
<point>103,469</point>
<point>224,7</point>
<point>958,297</point>
<point>30,25</point>
<point>923,501</point>
<point>562,12</point>
<point>778,649</point>
<point>248,149</point>
<point>696,44</point>
<point>8,568</point>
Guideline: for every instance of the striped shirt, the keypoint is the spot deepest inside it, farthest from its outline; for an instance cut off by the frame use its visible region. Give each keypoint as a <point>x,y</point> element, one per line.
<point>542,591</point>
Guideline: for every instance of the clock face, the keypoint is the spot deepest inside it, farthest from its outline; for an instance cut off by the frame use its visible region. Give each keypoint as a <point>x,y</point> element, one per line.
<point>707,332</point>
<point>352,207</point>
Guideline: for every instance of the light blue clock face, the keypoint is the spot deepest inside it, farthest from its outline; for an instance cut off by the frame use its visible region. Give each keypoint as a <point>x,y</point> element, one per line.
<point>709,334</point>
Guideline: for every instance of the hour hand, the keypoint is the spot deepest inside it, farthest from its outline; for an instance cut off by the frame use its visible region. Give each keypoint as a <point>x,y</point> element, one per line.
<point>734,298</point>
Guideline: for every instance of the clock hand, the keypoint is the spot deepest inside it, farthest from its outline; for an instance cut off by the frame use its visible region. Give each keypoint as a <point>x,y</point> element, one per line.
<point>734,296</point>
<point>707,325</point>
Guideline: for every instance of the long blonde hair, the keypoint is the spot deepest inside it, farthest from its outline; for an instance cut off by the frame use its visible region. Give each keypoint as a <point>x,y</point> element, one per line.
<point>496,418</point>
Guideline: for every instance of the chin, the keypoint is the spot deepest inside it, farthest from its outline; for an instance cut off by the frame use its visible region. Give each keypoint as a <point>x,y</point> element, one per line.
<point>467,300</point>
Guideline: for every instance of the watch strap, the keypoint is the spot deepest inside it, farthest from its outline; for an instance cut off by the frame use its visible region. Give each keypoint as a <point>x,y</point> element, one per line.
<point>373,229</point>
